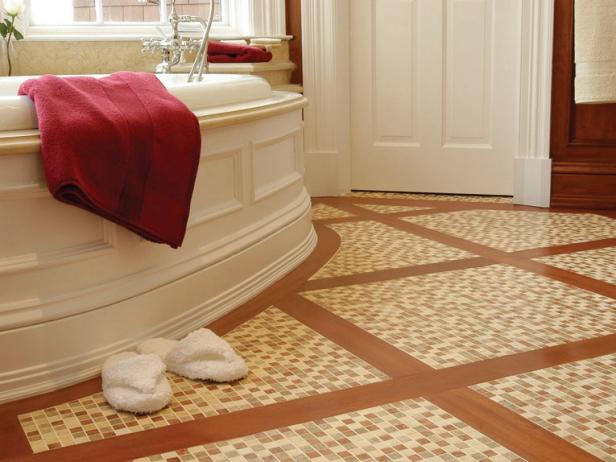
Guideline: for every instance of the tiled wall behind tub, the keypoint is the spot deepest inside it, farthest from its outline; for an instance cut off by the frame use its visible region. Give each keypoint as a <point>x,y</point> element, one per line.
<point>78,57</point>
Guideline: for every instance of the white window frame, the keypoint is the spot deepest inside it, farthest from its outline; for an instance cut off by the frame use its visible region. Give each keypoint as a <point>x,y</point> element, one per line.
<point>242,18</point>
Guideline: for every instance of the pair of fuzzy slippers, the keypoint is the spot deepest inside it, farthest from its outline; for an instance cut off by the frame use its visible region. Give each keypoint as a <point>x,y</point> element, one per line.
<point>136,382</point>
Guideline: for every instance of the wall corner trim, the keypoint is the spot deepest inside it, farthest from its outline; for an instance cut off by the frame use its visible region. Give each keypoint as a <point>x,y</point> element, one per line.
<point>532,181</point>
<point>532,163</point>
<point>327,138</point>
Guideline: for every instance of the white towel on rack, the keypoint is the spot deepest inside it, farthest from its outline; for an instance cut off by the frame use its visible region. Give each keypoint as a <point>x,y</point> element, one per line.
<point>595,51</point>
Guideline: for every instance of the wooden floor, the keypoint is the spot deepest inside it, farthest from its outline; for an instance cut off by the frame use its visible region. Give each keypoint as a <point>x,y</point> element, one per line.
<point>422,328</point>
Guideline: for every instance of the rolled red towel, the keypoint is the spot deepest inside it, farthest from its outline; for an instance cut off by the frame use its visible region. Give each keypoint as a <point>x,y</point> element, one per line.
<point>121,147</point>
<point>220,52</point>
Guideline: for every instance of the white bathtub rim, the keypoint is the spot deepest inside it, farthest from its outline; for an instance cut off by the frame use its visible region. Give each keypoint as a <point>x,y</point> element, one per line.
<point>217,90</point>
<point>27,140</point>
<point>69,371</point>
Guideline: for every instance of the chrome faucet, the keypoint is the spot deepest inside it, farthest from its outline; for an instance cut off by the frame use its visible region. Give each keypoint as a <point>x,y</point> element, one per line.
<point>173,47</point>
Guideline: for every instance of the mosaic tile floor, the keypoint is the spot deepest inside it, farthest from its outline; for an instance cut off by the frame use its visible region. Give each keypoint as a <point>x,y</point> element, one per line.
<point>323,212</point>
<point>371,246</point>
<point>448,318</point>
<point>512,230</point>
<point>432,197</point>
<point>598,264</point>
<point>379,208</point>
<point>410,430</point>
<point>575,401</point>
<point>457,317</point>
<point>286,359</point>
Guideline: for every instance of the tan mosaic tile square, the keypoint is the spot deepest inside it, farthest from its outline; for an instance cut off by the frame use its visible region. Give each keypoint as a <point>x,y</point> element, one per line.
<point>431,197</point>
<point>370,246</point>
<point>380,208</point>
<point>324,211</point>
<point>576,401</point>
<point>287,360</point>
<point>458,317</point>
<point>598,264</point>
<point>517,230</point>
<point>414,430</point>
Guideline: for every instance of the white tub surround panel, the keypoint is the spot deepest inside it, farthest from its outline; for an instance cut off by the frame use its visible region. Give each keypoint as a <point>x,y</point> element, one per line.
<point>75,288</point>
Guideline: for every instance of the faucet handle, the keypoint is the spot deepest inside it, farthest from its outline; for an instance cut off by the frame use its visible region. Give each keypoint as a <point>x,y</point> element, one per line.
<point>151,45</point>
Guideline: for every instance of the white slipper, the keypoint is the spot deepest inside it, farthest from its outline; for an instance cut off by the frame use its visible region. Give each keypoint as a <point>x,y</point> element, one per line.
<point>201,355</point>
<point>136,383</point>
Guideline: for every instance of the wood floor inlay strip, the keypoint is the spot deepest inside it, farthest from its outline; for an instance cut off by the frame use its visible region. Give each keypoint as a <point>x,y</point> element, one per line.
<point>395,273</point>
<point>495,255</point>
<point>508,428</point>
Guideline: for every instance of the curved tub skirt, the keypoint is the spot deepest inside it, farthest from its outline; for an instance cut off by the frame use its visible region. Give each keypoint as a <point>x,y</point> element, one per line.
<point>172,311</point>
<point>75,289</point>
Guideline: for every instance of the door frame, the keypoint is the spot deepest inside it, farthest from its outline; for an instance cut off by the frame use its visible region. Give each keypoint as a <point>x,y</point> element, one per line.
<point>326,42</point>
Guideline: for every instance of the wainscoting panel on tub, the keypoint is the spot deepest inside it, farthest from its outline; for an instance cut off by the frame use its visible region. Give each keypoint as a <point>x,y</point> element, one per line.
<point>75,288</point>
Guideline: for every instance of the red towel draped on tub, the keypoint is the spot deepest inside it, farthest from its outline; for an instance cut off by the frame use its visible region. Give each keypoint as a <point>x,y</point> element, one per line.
<point>219,52</point>
<point>120,146</point>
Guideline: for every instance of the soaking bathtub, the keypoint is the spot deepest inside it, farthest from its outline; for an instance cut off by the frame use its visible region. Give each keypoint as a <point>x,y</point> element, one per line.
<point>75,288</point>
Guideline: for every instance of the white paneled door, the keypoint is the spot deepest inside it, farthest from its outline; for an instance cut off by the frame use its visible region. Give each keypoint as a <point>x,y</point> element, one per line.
<point>435,86</point>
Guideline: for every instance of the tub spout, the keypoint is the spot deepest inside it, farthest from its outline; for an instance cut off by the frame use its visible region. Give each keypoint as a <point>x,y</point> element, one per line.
<point>174,47</point>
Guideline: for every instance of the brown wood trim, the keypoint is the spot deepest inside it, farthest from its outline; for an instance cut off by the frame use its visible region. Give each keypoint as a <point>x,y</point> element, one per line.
<point>397,273</point>
<point>595,190</point>
<point>508,428</point>
<point>581,168</point>
<point>294,27</point>
<point>583,136</point>
<point>379,353</point>
<point>568,248</point>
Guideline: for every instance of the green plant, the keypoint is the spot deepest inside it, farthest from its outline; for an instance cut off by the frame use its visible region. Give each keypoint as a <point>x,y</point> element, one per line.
<point>8,31</point>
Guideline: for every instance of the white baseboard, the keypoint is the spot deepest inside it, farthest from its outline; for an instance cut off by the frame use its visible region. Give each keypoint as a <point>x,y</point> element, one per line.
<point>532,184</point>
